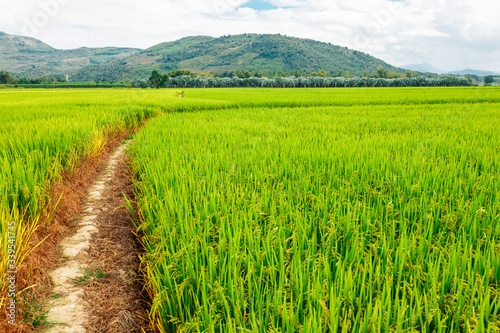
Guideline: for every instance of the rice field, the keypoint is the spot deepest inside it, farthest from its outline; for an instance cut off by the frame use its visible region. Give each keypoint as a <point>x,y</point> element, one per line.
<point>368,218</point>
<point>43,135</point>
<point>285,210</point>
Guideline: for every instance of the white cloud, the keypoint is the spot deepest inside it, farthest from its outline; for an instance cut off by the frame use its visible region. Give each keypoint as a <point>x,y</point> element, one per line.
<point>425,32</point>
<point>451,34</point>
<point>246,13</point>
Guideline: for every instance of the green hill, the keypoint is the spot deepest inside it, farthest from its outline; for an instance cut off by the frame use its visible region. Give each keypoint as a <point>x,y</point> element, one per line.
<point>264,53</point>
<point>29,57</point>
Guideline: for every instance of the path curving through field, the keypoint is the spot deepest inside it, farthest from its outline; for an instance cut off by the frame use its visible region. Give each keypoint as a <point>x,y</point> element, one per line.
<point>96,288</point>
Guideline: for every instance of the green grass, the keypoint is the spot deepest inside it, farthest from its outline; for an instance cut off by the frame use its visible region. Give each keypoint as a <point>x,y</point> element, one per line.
<point>91,275</point>
<point>285,209</point>
<point>32,311</point>
<point>223,98</point>
<point>43,135</point>
<point>368,218</point>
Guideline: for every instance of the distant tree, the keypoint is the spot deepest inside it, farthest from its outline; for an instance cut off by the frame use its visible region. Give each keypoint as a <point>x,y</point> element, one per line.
<point>469,78</point>
<point>181,72</point>
<point>410,74</point>
<point>280,74</point>
<point>393,75</point>
<point>184,80</point>
<point>488,79</point>
<point>382,72</point>
<point>6,78</point>
<point>474,76</point>
<point>321,73</point>
<point>155,80</point>
<point>205,74</point>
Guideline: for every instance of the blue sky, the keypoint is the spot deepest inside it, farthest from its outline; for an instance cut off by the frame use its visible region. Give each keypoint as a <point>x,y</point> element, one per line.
<point>259,5</point>
<point>449,34</point>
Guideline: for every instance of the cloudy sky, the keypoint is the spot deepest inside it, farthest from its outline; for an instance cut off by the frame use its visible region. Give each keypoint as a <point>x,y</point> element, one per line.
<point>449,34</point>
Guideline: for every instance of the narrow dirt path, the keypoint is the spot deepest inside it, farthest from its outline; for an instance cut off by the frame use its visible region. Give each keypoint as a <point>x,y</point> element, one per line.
<point>96,288</point>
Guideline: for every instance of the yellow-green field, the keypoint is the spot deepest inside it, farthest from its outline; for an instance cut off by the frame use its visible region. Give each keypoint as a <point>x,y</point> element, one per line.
<point>292,210</point>
<point>43,134</point>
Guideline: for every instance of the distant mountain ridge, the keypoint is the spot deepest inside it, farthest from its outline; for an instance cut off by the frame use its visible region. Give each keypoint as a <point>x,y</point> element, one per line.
<point>428,68</point>
<point>28,57</point>
<point>473,72</point>
<point>424,67</point>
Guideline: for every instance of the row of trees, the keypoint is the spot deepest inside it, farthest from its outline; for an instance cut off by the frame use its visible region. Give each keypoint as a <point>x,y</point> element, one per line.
<point>7,78</point>
<point>187,78</point>
<point>59,82</point>
<point>158,79</point>
<point>186,81</point>
<point>380,73</point>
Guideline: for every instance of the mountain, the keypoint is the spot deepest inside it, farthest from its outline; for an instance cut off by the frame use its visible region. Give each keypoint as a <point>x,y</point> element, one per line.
<point>428,68</point>
<point>29,57</point>
<point>255,52</point>
<point>423,68</point>
<point>473,72</point>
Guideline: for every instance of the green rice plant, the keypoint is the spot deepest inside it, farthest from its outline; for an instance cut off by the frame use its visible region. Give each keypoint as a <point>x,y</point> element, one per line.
<point>292,210</point>
<point>43,135</point>
<point>367,218</point>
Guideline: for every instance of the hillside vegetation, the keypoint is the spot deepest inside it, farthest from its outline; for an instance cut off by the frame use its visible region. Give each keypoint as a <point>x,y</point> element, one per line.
<point>31,58</point>
<point>254,52</point>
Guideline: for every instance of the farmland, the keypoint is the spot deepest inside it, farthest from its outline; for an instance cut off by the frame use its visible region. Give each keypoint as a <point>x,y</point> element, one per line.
<point>323,219</point>
<point>309,210</point>
<point>41,137</point>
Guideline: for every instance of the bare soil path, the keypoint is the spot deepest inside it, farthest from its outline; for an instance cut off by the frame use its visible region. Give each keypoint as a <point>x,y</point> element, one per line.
<point>96,287</point>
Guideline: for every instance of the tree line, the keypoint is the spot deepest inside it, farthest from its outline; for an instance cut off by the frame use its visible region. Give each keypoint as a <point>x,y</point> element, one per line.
<point>7,78</point>
<point>189,79</point>
<point>49,82</point>
<point>186,78</point>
